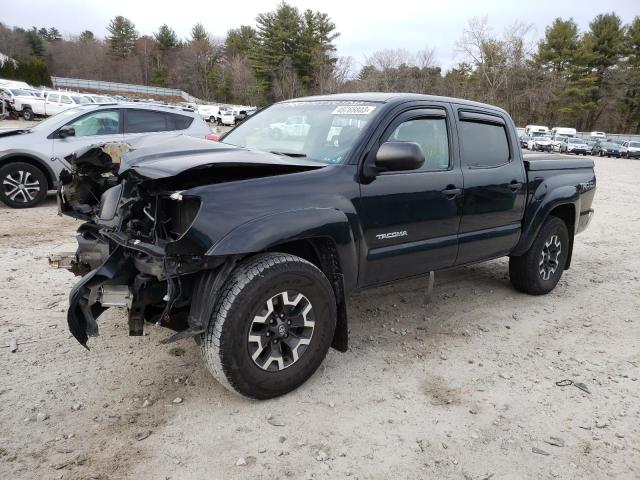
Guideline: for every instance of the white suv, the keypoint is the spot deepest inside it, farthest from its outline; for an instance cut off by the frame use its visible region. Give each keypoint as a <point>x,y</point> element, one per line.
<point>32,158</point>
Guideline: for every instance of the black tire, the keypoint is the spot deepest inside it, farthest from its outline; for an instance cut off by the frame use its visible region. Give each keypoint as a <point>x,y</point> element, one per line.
<point>226,345</point>
<point>27,114</point>
<point>33,181</point>
<point>526,271</point>
<point>212,119</point>
<point>219,122</point>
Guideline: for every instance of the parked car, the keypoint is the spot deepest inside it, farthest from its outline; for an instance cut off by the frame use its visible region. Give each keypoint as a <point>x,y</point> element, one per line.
<point>251,246</point>
<point>598,135</point>
<point>575,145</point>
<point>13,99</point>
<point>216,114</point>
<point>524,140</point>
<point>630,149</point>
<point>556,142</point>
<point>606,149</point>
<point>31,159</point>
<point>100,98</point>
<point>540,143</point>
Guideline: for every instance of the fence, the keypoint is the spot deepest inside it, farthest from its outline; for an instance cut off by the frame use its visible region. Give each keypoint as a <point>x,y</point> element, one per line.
<point>121,88</point>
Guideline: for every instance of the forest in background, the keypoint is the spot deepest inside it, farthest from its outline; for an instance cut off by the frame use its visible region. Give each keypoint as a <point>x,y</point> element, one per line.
<point>588,79</point>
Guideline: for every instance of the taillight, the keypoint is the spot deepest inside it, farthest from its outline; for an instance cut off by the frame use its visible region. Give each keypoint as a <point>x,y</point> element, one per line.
<point>213,137</point>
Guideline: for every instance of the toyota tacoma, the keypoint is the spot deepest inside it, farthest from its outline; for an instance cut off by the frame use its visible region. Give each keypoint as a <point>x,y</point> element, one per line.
<point>251,245</point>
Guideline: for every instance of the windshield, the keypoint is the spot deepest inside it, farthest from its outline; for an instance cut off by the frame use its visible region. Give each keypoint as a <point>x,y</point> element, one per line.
<point>575,140</point>
<point>538,134</point>
<point>320,131</point>
<point>609,145</point>
<point>18,91</point>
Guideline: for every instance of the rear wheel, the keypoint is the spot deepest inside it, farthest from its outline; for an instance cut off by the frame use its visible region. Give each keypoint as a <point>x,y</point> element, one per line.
<point>538,271</point>
<point>272,326</point>
<point>23,185</point>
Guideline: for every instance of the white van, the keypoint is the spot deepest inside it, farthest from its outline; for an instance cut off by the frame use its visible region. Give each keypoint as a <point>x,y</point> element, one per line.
<point>598,135</point>
<point>563,132</point>
<point>536,130</point>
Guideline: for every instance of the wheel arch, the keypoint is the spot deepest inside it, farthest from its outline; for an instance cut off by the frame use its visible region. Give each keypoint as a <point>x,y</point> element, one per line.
<point>562,202</point>
<point>321,236</point>
<point>31,160</point>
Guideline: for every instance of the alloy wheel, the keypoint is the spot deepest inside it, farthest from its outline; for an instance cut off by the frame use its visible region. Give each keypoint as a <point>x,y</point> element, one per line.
<point>281,331</point>
<point>549,257</point>
<point>20,186</point>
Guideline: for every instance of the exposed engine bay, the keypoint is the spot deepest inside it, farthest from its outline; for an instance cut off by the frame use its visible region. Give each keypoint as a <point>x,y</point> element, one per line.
<point>138,202</point>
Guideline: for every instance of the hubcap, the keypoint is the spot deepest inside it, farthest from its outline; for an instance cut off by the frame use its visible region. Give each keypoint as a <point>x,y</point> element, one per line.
<point>549,257</point>
<point>20,186</point>
<point>281,331</point>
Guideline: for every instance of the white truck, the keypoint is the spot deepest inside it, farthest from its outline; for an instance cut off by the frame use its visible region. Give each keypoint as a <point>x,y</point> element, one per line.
<point>216,114</point>
<point>53,102</point>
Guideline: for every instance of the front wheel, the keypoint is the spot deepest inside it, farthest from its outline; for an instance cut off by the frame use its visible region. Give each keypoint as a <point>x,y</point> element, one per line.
<point>27,114</point>
<point>538,271</point>
<point>23,185</point>
<point>272,326</point>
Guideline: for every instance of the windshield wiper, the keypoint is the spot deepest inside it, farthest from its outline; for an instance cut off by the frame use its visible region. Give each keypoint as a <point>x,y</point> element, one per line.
<point>291,154</point>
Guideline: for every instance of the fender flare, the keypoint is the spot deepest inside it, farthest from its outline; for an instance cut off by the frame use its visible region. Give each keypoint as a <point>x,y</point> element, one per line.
<point>21,156</point>
<point>313,223</point>
<point>540,208</point>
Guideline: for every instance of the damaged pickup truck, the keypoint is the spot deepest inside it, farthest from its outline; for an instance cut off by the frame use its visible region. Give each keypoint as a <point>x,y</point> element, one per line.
<point>250,245</point>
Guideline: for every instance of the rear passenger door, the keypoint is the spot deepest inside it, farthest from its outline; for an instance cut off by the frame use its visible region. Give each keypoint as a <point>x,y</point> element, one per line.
<point>494,185</point>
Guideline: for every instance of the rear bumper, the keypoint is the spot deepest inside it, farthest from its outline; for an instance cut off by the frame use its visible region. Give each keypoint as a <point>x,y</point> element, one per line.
<point>584,220</point>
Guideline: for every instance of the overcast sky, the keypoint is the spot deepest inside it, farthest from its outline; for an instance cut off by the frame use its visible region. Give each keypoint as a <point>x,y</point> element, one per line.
<point>364,26</point>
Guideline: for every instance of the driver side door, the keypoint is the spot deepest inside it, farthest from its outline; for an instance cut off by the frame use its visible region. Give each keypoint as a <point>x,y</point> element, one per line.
<point>410,219</point>
<point>96,127</point>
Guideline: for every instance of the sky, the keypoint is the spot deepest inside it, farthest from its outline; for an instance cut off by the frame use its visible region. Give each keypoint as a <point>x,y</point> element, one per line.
<point>364,26</point>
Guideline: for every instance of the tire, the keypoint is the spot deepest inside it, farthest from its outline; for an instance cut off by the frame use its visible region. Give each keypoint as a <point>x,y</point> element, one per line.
<point>242,311</point>
<point>219,122</point>
<point>31,178</point>
<point>527,272</point>
<point>212,119</point>
<point>27,114</point>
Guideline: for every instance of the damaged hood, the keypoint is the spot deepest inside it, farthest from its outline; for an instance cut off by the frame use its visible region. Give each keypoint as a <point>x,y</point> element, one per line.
<point>153,157</point>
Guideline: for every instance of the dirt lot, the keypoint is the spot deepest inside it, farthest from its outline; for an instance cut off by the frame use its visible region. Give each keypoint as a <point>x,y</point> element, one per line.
<point>461,388</point>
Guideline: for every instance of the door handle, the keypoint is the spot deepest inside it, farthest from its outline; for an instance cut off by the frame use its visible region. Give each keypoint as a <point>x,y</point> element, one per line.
<point>451,192</point>
<point>514,186</point>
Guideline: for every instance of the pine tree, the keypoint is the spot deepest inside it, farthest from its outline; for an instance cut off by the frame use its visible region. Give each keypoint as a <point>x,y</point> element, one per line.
<point>166,38</point>
<point>199,33</point>
<point>122,37</point>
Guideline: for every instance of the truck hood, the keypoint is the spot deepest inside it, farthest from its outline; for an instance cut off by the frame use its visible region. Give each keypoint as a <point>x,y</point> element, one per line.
<point>153,157</point>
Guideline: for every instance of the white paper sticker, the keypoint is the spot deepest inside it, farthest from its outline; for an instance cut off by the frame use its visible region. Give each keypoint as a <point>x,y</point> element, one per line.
<point>354,110</point>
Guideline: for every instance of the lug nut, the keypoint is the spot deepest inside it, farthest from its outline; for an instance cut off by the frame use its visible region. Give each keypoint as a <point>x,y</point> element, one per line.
<point>268,334</point>
<point>288,322</point>
<point>286,335</point>
<point>275,341</point>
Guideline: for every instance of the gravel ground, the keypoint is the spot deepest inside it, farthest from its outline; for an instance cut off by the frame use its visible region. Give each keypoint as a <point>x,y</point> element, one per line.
<point>461,388</point>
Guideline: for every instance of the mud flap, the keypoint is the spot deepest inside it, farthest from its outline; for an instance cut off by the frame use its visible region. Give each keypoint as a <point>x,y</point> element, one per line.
<point>83,307</point>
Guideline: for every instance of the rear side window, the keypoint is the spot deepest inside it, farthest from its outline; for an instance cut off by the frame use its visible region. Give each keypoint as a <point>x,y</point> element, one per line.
<point>178,122</point>
<point>483,144</point>
<point>143,121</point>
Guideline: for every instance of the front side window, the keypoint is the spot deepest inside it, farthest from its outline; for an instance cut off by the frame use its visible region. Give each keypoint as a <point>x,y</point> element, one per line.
<point>65,99</point>
<point>324,131</point>
<point>54,98</point>
<point>145,121</point>
<point>431,135</point>
<point>105,122</point>
<point>483,144</point>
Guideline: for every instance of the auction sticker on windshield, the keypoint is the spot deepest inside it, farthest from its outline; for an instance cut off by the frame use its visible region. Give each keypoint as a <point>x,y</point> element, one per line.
<point>354,110</point>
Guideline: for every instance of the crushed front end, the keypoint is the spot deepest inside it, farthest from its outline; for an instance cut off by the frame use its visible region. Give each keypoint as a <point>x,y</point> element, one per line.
<point>132,251</point>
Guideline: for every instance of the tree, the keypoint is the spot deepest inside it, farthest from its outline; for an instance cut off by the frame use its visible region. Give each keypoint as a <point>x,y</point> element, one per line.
<point>557,51</point>
<point>122,37</point>
<point>199,33</point>
<point>87,36</point>
<point>240,41</point>
<point>166,38</point>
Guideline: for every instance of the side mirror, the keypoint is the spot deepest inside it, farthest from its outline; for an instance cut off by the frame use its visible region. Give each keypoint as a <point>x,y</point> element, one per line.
<point>399,156</point>
<point>66,131</point>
